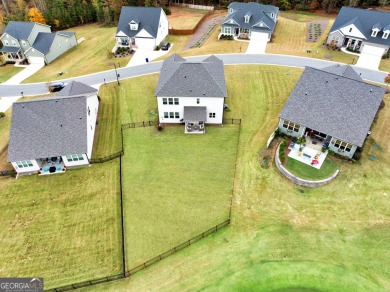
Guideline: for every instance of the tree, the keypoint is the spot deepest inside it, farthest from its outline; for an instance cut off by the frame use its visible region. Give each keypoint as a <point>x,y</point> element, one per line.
<point>35,15</point>
<point>5,6</point>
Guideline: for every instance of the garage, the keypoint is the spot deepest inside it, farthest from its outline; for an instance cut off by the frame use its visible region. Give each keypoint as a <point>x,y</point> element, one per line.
<point>36,60</point>
<point>258,43</point>
<point>370,57</point>
<point>145,43</point>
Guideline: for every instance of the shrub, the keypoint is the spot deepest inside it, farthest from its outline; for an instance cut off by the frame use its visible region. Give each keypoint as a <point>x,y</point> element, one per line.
<point>157,48</point>
<point>167,10</point>
<point>277,133</point>
<point>160,128</point>
<point>2,115</point>
<point>357,155</point>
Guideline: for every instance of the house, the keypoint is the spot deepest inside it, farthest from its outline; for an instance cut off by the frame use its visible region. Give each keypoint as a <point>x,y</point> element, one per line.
<point>141,27</point>
<point>191,92</point>
<point>35,42</point>
<point>333,105</point>
<point>49,135</point>
<point>361,30</point>
<point>244,19</point>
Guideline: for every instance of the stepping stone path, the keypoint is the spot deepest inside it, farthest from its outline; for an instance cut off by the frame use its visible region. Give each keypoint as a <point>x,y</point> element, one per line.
<point>315,30</point>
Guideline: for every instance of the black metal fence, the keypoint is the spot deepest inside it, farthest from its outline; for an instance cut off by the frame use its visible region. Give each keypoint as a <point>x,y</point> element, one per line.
<point>232,121</point>
<point>139,124</point>
<point>177,248</point>
<point>107,158</point>
<point>87,283</point>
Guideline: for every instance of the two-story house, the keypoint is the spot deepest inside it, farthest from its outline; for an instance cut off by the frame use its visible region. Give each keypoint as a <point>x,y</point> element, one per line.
<point>35,42</point>
<point>141,27</point>
<point>246,18</point>
<point>191,92</point>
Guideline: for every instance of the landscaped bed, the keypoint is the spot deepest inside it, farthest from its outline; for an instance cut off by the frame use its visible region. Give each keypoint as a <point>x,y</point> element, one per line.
<point>175,186</point>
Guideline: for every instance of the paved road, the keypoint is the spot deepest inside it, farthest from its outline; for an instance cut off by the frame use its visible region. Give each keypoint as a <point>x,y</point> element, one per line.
<point>228,59</point>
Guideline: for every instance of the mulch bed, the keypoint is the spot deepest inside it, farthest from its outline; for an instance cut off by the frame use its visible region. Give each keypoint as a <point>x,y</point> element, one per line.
<point>315,29</point>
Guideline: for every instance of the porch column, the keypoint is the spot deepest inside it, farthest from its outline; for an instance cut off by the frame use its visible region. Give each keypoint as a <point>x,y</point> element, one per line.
<point>354,46</point>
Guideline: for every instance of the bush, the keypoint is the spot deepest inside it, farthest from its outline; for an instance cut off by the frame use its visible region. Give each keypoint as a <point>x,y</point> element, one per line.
<point>357,155</point>
<point>157,48</point>
<point>2,115</point>
<point>167,10</point>
<point>277,133</point>
<point>160,128</point>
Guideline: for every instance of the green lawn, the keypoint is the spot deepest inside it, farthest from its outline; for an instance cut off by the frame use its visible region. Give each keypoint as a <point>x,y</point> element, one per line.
<point>88,57</point>
<point>345,225</point>
<point>175,186</point>
<point>62,227</point>
<point>305,171</point>
<point>8,71</point>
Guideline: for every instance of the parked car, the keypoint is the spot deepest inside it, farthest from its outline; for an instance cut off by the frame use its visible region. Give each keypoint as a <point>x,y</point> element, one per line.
<point>165,46</point>
<point>56,86</point>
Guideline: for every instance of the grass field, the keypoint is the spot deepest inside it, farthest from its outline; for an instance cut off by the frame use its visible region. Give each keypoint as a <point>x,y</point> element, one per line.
<point>184,18</point>
<point>8,71</point>
<point>175,186</point>
<point>62,227</point>
<point>340,231</point>
<point>88,57</point>
<point>305,171</point>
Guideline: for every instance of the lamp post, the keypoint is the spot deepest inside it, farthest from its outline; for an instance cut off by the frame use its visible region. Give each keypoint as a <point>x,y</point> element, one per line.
<point>116,74</point>
<point>22,94</point>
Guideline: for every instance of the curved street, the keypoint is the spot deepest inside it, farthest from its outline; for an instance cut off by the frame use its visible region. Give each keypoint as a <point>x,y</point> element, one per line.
<point>228,59</point>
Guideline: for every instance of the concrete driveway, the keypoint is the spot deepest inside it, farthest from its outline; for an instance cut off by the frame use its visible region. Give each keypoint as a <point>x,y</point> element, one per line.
<point>139,57</point>
<point>258,43</point>
<point>370,57</point>
<point>24,74</point>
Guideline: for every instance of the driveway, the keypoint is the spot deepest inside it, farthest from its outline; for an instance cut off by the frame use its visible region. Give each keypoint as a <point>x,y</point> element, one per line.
<point>140,56</point>
<point>370,57</point>
<point>24,74</point>
<point>258,43</point>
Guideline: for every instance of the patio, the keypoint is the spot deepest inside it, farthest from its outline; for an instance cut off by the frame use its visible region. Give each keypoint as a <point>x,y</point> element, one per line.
<point>50,166</point>
<point>309,155</point>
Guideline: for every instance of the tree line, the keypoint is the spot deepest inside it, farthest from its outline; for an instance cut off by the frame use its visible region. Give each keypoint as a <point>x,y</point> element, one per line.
<point>62,14</point>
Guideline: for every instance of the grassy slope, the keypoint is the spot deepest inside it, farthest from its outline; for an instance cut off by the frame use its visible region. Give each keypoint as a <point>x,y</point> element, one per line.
<point>62,227</point>
<point>345,224</point>
<point>8,71</point>
<point>175,186</point>
<point>184,18</point>
<point>88,57</point>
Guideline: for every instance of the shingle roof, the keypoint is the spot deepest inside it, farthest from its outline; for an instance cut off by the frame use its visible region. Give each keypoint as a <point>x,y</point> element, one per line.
<point>19,29</point>
<point>192,79</point>
<point>338,106</point>
<point>75,88</point>
<point>66,33</point>
<point>257,12</point>
<point>10,49</point>
<point>148,18</point>
<point>43,42</point>
<point>343,70</point>
<point>364,20</point>
<point>195,114</point>
<point>48,127</point>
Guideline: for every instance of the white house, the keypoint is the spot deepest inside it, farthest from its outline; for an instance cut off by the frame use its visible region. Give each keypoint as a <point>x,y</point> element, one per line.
<point>191,92</point>
<point>141,27</point>
<point>49,135</point>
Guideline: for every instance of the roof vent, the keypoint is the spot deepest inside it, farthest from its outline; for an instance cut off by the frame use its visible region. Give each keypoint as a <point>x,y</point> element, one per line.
<point>61,125</point>
<point>204,93</point>
<point>326,81</point>
<point>185,76</point>
<point>371,90</point>
<point>81,118</point>
<point>306,93</point>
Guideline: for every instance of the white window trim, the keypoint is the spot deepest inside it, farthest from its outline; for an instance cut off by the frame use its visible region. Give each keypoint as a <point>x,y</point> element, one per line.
<point>74,157</point>
<point>24,164</point>
<point>374,32</point>
<point>246,19</point>
<point>287,124</point>
<point>385,35</point>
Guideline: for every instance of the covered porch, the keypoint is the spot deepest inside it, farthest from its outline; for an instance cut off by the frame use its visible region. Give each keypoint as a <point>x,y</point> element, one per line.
<point>352,44</point>
<point>51,165</point>
<point>194,119</point>
<point>13,54</point>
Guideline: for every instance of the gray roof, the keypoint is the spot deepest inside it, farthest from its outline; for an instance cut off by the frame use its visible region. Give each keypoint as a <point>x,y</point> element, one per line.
<point>195,114</point>
<point>364,20</point>
<point>192,79</point>
<point>48,127</point>
<point>66,33</point>
<point>19,29</point>
<point>6,49</point>
<point>43,42</point>
<point>338,106</point>
<point>148,18</point>
<point>343,70</point>
<point>257,12</point>
<point>75,88</point>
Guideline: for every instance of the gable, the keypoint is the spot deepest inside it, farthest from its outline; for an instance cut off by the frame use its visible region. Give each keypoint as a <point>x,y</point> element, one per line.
<point>230,21</point>
<point>143,34</point>
<point>260,24</point>
<point>355,32</point>
<point>121,34</point>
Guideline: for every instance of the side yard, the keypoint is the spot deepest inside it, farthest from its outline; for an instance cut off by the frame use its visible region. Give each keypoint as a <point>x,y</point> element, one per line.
<point>184,18</point>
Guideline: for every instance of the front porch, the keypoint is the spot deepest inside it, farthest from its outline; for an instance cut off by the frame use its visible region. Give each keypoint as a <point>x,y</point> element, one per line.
<point>352,44</point>
<point>13,56</point>
<point>51,165</point>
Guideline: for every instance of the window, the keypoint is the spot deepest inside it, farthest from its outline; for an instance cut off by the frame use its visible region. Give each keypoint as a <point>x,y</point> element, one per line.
<point>74,157</point>
<point>177,115</point>
<point>165,100</point>
<point>6,43</point>
<point>171,115</point>
<point>350,29</point>
<point>231,10</point>
<point>24,163</point>
<point>385,35</point>
<point>176,101</point>
<point>14,43</point>
<point>211,115</point>
<point>170,100</point>
<point>246,18</point>
<point>165,115</point>
<point>342,146</point>
<point>228,30</point>
<point>23,43</point>
<point>197,100</point>
<point>133,26</point>
<point>374,33</point>
<point>290,126</point>
<point>272,15</point>
<point>245,30</point>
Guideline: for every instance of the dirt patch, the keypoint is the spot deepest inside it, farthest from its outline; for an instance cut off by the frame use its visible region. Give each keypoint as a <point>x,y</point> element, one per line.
<point>315,29</point>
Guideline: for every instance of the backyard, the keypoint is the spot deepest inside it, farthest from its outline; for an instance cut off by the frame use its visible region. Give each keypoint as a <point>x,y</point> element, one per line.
<point>184,18</point>
<point>337,234</point>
